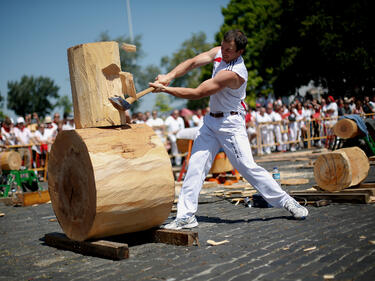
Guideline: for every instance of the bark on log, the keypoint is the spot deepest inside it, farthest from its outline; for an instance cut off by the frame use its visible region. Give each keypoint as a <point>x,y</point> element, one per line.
<point>109,181</point>
<point>341,168</point>
<point>10,160</point>
<point>346,129</point>
<point>94,76</point>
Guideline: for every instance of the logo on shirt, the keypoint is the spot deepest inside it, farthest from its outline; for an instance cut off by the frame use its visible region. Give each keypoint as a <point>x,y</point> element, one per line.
<point>218,59</point>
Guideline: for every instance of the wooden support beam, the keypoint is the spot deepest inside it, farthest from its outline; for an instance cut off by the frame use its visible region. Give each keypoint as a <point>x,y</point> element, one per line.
<point>335,197</point>
<point>100,248</point>
<point>117,247</point>
<point>176,237</point>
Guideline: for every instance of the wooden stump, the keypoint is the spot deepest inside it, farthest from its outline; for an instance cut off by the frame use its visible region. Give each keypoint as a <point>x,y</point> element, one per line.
<point>221,164</point>
<point>10,160</point>
<point>109,181</point>
<point>346,129</point>
<point>95,76</point>
<point>341,168</point>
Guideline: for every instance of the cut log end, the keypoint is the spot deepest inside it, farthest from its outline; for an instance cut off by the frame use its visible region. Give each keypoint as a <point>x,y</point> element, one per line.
<point>340,169</point>
<point>346,128</point>
<point>109,181</point>
<point>10,160</point>
<point>72,185</point>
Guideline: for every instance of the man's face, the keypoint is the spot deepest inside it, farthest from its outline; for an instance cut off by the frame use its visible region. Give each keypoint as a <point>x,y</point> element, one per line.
<point>229,51</point>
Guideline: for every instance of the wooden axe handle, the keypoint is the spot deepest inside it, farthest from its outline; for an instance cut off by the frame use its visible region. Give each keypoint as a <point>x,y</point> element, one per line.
<point>130,100</point>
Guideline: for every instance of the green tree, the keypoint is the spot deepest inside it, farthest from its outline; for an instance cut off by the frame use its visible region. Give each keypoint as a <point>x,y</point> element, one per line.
<point>2,116</point>
<point>294,42</point>
<point>66,104</point>
<point>32,95</point>
<point>162,102</point>
<point>191,47</point>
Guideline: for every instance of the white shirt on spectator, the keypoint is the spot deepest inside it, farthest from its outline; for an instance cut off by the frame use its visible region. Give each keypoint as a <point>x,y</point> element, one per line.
<point>174,125</point>
<point>68,126</point>
<point>9,138</point>
<point>22,136</point>
<point>197,121</point>
<point>156,122</point>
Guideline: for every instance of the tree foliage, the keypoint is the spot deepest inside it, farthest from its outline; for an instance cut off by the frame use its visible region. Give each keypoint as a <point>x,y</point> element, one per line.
<point>32,95</point>
<point>293,42</point>
<point>162,102</point>
<point>189,48</point>
<point>66,104</point>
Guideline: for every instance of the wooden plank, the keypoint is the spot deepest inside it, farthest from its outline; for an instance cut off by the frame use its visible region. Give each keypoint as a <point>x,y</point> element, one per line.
<point>294,181</point>
<point>370,191</point>
<point>175,237</point>
<point>31,198</point>
<point>338,197</point>
<point>100,248</point>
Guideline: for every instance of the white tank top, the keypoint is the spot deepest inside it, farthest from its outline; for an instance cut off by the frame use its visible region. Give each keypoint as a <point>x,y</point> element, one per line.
<point>228,99</point>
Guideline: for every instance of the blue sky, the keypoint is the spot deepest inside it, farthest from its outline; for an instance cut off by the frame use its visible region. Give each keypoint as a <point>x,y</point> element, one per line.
<point>35,34</point>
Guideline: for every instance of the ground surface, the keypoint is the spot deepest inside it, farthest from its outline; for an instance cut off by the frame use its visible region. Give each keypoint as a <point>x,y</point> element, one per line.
<point>336,241</point>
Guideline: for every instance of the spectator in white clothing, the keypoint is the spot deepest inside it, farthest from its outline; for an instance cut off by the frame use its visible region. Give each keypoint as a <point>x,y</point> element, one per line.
<point>7,132</point>
<point>69,123</point>
<point>263,117</point>
<point>157,124</point>
<point>23,137</point>
<point>198,118</point>
<point>42,139</point>
<point>174,124</point>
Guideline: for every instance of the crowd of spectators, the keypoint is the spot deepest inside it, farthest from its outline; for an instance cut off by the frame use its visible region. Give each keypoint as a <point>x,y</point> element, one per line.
<point>278,126</point>
<point>32,137</point>
<point>281,127</point>
<point>285,127</point>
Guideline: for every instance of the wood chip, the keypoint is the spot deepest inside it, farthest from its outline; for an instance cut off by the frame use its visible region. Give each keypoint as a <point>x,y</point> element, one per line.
<point>213,243</point>
<point>2,214</point>
<point>309,249</point>
<point>328,276</point>
<point>372,242</point>
<point>129,47</point>
<point>52,220</point>
<point>362,237</point>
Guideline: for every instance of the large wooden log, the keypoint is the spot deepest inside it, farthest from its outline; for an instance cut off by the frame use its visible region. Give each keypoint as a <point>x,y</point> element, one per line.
<point>109,181</point>
<point>341,168</point>
<point>346,129</point>
<point>10,160</point>
<point>95,76</point>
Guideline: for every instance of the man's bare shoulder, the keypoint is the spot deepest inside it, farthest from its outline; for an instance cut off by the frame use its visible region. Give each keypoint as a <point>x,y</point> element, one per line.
<point>229,79</point>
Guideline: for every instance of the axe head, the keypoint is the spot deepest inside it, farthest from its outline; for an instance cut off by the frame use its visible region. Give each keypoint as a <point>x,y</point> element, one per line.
<point>119,103</point>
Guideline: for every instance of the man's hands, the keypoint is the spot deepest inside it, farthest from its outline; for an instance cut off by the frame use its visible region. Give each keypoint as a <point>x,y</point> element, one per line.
<point>161,81</point>
<point>158,86</point>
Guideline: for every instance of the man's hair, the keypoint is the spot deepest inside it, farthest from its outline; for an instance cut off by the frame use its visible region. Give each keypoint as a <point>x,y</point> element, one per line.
<point>238,37</point>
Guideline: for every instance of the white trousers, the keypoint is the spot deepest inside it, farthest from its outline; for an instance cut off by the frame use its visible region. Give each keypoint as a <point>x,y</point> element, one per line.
<point>230,134</point>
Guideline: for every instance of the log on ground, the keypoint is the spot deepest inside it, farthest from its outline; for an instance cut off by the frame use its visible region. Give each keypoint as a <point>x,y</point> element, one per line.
<point>341,168</point>
<point>109,181</point>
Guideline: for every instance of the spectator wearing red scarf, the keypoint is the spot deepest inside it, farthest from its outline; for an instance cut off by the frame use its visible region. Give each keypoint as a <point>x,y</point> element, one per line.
<point>23,137</point>
<point>7,132</point>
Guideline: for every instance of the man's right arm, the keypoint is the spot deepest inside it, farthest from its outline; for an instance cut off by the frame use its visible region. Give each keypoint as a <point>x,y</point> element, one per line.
<point>186,66</point>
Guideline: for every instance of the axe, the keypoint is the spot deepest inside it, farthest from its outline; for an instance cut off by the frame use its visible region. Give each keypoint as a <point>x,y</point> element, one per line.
<point>124,104</point>
<point>128,87</point>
